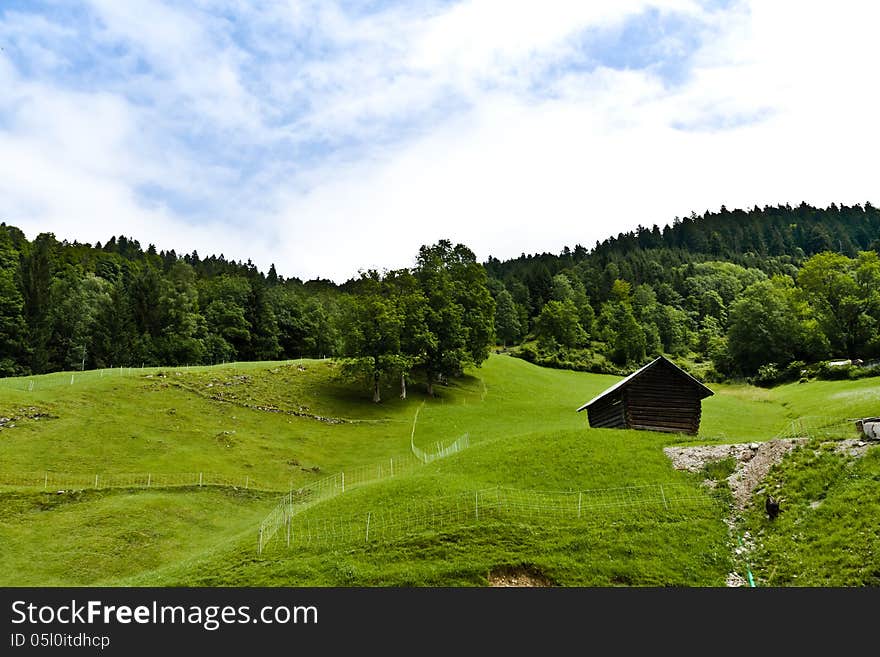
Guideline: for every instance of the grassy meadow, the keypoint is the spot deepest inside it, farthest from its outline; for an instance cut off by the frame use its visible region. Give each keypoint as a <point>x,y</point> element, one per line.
<point>287,425</point>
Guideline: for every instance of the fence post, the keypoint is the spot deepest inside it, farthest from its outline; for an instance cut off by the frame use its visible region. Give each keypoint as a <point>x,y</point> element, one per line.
<point>288,531</point>
<point>246,482</point>
<point>149,479</point>
<point>343,482</point>
<point>260,548</point>
<point>580,495</point>
<point>200,480</point>
<point>664,497</point>
<point>46,482</point>
<point>96,481</point>
<point>367,539</point>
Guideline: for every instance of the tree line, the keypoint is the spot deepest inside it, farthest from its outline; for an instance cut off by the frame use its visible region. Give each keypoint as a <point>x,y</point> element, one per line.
<point>729,292</point>
<point>79,306</point>
<point>733,294</point>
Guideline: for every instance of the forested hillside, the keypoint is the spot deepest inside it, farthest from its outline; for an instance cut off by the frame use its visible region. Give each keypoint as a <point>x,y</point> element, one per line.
<point>733,292</point>
<point>79,306</point>
<point>758,293</point>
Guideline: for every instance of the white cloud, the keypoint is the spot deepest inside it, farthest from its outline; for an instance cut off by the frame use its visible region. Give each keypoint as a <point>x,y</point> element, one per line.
<point>434,129</point>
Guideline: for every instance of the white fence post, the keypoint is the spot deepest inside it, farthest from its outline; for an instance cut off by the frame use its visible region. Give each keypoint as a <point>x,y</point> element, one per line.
<point>200,480</point>
<point>96,481</point>
<point>580,495</point>
<point>664,497</point>
<point>46,482</point>
<point>367,539</point>
<point>149,479</point>
<point>343,482</point>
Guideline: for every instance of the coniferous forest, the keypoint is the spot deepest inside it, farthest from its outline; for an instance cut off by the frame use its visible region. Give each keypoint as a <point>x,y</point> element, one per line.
<point>768,295</point>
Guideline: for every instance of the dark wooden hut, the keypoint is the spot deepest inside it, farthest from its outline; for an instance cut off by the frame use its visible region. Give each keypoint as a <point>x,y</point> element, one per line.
<point>658,397</point>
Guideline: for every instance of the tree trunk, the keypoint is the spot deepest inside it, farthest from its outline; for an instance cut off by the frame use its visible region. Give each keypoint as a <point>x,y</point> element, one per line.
<point>402,385</point>
<point>376,398</point>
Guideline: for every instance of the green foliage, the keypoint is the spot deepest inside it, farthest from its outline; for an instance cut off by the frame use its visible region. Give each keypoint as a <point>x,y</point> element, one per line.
<point>372,324</point>
<point>764,326</point>
<point>459,311</point>
<point>622,332</point>
<point>507,324</point>
<point>559,323</point>
<point>13,329</point>
<point>845,294</point>
<point>694,289</point>
<point>720,469</point>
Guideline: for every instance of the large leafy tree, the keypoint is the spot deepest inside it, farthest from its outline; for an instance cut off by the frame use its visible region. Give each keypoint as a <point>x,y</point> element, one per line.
<point>372,322</point>
<point>182,327</point>
<point>225,300</point>
<point>459,310</point>
<point>77,304</point>
<point>415,338</point>
<point>559,324</point>
<point>507,325</point>
<point>764,326</point>
<point>845,293</point>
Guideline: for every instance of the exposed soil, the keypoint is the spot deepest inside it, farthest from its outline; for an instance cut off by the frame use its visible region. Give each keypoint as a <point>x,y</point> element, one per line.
<point>517,577</point>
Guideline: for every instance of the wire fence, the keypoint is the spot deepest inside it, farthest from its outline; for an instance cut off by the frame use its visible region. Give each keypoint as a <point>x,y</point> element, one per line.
<point>297,500</point>
<point>440,451</point>
<point>69,481</point>
<point>69,378</point>
<point>61,379</point>
<point>411,517</point>
<point>817,426</point>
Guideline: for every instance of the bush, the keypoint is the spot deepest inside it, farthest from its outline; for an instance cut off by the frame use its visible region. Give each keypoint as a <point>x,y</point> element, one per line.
<point>580,360</point>
<point>768,375</point>
<point>834,372</point>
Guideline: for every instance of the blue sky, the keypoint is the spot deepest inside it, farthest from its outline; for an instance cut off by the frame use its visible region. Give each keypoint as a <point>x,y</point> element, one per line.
<point>326,137</point>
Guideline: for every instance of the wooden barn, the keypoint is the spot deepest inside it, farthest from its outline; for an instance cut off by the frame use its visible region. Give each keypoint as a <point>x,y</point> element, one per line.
<point>658,397</point>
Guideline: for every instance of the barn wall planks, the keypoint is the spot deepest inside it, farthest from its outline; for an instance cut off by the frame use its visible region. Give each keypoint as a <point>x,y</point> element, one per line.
<point>660,398</point>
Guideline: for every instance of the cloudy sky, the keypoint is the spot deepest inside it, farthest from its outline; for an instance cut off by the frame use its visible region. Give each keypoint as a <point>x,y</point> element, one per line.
<point>327,137</point>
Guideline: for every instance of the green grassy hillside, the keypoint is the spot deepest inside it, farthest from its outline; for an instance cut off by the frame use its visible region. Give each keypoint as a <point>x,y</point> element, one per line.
<point>269,427</point>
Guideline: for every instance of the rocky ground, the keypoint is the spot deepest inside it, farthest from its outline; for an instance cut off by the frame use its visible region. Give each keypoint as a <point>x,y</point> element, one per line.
<point>29,413</point>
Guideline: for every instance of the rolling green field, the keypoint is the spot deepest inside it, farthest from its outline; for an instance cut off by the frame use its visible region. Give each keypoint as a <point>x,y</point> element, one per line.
<point>268,428</point>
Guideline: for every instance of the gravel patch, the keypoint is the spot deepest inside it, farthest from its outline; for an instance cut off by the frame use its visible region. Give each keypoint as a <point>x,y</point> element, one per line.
<point>753,462</point>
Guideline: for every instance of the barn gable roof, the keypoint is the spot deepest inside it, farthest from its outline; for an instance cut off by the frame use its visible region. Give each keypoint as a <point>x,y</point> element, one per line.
<point>704,391</point>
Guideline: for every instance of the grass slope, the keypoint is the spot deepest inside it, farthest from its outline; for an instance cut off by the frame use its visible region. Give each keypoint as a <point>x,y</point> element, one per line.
<point>288,424</point>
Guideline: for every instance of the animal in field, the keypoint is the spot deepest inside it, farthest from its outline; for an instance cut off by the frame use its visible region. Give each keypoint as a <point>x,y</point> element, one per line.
<point>772,507</point>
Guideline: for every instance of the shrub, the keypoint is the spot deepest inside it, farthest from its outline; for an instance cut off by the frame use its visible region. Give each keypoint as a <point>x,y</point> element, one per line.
<point>768,375</point>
